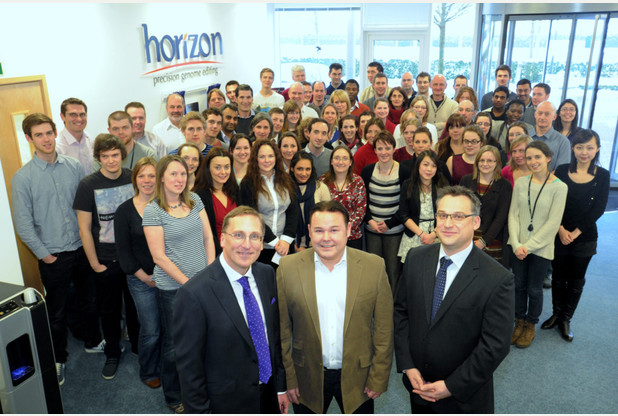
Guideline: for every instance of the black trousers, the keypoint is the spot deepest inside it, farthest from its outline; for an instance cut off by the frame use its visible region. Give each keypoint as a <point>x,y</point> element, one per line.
<point>332,389</point>
<point>109,297</point>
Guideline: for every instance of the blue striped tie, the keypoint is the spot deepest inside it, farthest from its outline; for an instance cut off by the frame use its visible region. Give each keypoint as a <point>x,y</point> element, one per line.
<point>256,328</point>
<point>438,289</point>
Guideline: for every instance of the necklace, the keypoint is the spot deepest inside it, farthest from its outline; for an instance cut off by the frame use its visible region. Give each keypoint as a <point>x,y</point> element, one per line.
<point>176,206</point>
<point>340,189</point>
<point>532,210</point>
<point>390,170</point>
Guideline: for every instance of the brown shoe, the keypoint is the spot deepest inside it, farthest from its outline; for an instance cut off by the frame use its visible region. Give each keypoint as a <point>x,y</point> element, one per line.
<point>519,327</point>
<point>154,383</point>
<point>526,336</point>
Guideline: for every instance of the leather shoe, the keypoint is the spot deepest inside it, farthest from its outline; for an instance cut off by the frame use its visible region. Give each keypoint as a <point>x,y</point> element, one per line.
<point>565,331</point>
<point>551,322</point>
<point>154,383</point>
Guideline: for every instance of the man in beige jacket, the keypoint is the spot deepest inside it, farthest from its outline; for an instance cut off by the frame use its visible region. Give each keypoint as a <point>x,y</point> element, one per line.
<point>336,312</point>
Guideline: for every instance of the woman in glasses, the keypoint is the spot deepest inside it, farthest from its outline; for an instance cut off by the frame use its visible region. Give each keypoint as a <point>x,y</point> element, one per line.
<point>463,164</point>
<point>420,104</point>
<point>566,122</point>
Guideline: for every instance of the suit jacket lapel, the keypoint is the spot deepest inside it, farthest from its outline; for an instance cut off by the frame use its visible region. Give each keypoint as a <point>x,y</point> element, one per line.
<point>429,280</point>
<point>225,295</point>
<point>464,277</point>
<point>355,273</point>
<point>306,273</point>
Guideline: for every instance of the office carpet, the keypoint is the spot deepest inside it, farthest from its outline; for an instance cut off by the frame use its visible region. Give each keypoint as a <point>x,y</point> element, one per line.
<point>552,376</point>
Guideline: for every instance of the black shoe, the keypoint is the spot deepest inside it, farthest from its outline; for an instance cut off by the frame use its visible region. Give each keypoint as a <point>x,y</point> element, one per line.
<point>110,368</point>
<point>547,282</point>
<point>565,331</point>
<point>550,323</point>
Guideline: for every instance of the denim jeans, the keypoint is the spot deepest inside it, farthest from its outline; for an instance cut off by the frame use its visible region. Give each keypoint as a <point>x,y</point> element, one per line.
<point>529,274</point>
<point>57,277</point>
<point>149,344</point>
<point>169,375</point>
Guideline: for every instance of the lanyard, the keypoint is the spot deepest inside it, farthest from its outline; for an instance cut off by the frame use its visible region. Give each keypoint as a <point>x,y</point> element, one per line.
<point>532,210</point>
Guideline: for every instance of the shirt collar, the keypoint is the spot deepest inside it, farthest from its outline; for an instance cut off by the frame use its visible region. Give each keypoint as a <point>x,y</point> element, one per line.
<point>40,163</point>
<point>318,260</point>
<point>232,274</point>
<point>458,258</point>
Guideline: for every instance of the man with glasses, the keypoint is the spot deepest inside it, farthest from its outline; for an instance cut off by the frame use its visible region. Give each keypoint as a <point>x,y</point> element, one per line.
<point>453,312</point>
<point>73,140</point>
<point>226,328</point>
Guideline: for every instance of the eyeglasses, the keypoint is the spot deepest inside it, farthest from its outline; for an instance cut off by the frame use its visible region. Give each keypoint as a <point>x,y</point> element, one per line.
<point>567,110</point>
<point>483,124</point>
<point>241,237</point>
<point>466,110</point>
<point>455,216</point>
<point>483,161</point>
<point>471,141</point>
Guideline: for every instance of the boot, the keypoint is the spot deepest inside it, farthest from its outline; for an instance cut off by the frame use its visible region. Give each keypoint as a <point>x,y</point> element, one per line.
<point>565,331</point>
<point>519,327</point>
<point>571,300</point>
<point>551,322</point>
<point>526,337</point>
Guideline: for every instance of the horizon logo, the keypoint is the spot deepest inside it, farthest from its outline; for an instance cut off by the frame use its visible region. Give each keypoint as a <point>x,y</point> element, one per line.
<point>183,46</point>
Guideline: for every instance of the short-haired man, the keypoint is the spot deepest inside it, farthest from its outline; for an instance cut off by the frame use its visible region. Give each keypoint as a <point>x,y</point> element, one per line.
<point>230,91</point>
<point>277,115</point>
<point>503,78</point>
<point>440,106</point>
<point>229,123</point>
<point>335,72</point>
<point>524,88</point>
<point>201,131</point>
<point>308,97</point>
<point>373,69</point>
<point>169,129</point>
<point>120,124</point>
<point>540,93</point>
<point>96,200</point>
<point>266,98</point>
<point>498,98</point>
<point>137,111</point>
<point>320,99</point>
<point>423,81</point>
<point>380,88</point>
<point>244,101</point>
<point>460,81</point>
<point>318,136</point>
<point>226,327</point>
<point>73,140</point>
<point>356,107</point>
<point>42,192</point>
<point>297,92</point>
<point>453,315</point>
<point>298,75</point>
<point>336,319</point>
<point>545,115</point>
<point>466,109</point>
<point>407,82</point>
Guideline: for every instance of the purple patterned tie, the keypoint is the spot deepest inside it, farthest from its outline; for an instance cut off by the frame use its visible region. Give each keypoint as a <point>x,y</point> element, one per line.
<point>256,328</point>
<point>438,289</point>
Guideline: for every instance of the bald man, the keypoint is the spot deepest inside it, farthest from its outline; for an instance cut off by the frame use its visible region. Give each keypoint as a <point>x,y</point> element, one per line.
<point>545,115</point>
<point>407,83</point>
<point>466,109</point>
<point>440,106</point>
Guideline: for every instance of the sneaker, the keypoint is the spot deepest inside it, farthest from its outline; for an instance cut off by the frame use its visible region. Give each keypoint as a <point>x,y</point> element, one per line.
<point>176,408</point>
<point>110,368</point>
<point>96,348</point>
<point>60,373</point>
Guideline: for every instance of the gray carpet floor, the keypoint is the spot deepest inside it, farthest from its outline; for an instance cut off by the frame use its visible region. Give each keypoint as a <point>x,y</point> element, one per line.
<point>552,376</point>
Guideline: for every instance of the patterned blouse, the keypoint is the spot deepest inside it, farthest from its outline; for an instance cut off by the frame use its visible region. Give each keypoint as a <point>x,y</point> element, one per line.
<point>354,198</point>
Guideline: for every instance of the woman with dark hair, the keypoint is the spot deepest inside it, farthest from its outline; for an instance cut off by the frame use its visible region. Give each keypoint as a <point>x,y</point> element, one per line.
<point>293,116</point>
<point>329,114</point>
<point>348,126</point>
<point>302,132</point>
<point>515,130</point>
<point>409,127</point>
<point>271,191</point>
<point>494,192</point>
<point>366,154</point>
<point>179,253</point>
<point>453,143</point>
<point>347,187</point>
<point>217,187</point>
<point>191,154</point>
<point>261,127</point>
<point>514,111</point>
<point>381,109</point>
<point>240,149</point>
<point>566,122</point>
<point>289,146</point>
<point>463,164</point>
<point>485,122</point>
<point>536,209</point>
<point>417,206</point>
<point>136,261</point>
<point>397,104</point>
<point>382,183</point>
<point>310,191</point>
<point>576,242</point>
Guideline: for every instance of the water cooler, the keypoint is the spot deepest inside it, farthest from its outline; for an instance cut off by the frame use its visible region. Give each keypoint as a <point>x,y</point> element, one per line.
<point>28,382</point>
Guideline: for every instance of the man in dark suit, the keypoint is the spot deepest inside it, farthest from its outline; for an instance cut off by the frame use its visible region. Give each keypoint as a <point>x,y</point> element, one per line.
<point>226,333</point>
<point>453,315</point>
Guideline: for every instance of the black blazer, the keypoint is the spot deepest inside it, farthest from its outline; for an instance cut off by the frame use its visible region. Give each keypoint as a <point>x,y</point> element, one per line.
<point>404,173</point>
<point>215,358</point>
<point>247,197</point>
<point>410,208</point>
<point>206,197</point>
<point>495,206</point>
<point>469,336</point>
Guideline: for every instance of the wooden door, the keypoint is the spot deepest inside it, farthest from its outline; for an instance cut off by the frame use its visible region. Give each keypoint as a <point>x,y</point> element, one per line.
<point>18,98</point>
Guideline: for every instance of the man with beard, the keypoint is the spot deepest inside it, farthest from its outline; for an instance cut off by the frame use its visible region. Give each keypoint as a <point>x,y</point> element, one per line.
<point>228,126</point>
<point>168,130</point>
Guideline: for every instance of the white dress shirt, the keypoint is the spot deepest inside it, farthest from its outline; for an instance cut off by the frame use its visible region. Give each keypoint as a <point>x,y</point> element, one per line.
<point>458,261</point>
<point>330,291</point>
<point>170,134</point>
<point>83,150</point>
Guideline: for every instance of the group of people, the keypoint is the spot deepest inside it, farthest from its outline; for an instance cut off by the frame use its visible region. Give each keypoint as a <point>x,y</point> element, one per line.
<point>261,248</point>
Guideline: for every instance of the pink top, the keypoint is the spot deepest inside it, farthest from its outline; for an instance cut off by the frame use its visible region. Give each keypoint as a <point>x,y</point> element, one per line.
<point>507,173</point>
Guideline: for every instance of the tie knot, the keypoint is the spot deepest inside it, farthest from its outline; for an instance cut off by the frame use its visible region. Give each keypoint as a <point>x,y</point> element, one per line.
<point>244,282</point>
<point>445,262</point>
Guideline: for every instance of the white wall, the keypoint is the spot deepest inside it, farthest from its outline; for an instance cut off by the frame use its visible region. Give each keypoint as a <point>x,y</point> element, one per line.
<point>9,256</point>
<point>95,51</point>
